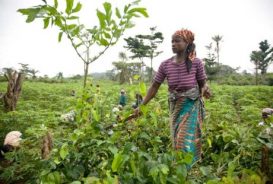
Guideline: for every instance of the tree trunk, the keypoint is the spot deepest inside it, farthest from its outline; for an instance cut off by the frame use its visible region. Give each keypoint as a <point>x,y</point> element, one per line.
<point>151,74</point>
<point>265,165</point>
<point>256,75</point>
<point>86,65</point>
<point>15,81</point>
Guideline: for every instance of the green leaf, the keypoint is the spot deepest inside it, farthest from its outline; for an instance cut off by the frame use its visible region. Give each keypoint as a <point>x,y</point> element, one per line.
<point>133,166</point>
<point>209,142</point>
<point>107,35</point>
<point>56,4</point>
<point>57,177</point>
<point>75,182</point>
<point>78,45</point>
<point>71,27</point>
<point>58,22</point>
<point>118,159</point>
<point>126,7</point>
<point>51,10</point>
<point>64,151</point>
<point>60,36</point>
<point>164,169</point>
<point>136,77</point>
<point>46,22</point>
<point>102,18</point>
<point>117,33</point>
<point>181,171</point>
<point>206,171</point>
<point>104,42</point>
<point>139,10</point>
<point>154,172</point>
<point>188,158</point>
<point>72,18</point>
<point>142,87</point>
<point>30,12</point>
<point>107,7</point>
<point>113,149</point>
<point>95,115</point>
<point>144,109</point>
<point>76,31</point>
<point>118,13</point>
<point>69,6</point>
<point>77,8</point>
<point>129,25</point>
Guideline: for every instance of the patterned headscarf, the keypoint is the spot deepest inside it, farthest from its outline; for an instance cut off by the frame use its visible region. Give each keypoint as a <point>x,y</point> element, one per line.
<point>188,37</point>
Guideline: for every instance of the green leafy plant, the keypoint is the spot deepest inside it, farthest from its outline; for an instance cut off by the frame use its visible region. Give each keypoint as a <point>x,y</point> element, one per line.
<point>112,24</point>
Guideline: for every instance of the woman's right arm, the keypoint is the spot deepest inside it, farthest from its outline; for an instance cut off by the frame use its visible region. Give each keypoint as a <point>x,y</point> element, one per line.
<point>151,92</point>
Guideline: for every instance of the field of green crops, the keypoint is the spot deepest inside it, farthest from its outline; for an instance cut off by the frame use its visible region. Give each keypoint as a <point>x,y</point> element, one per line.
<point>91,150</point>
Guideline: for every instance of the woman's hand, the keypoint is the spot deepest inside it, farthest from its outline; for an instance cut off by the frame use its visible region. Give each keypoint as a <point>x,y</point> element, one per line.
<point>206,92</point>
<point>137,112</point>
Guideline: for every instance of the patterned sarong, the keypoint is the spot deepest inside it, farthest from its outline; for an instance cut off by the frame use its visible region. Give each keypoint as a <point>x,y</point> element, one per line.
<point>187,114</point>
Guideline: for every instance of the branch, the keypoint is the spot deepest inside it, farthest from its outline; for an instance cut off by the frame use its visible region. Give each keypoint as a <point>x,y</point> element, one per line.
<point>96,57</point>
<point>73,44</point>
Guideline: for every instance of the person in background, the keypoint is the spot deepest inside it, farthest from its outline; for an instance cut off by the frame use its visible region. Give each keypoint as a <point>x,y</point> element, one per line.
<point>12,141</point>
<point>267,112</point>
<point>186,79</point>
<point>122,98</point>
<point>73,92</point>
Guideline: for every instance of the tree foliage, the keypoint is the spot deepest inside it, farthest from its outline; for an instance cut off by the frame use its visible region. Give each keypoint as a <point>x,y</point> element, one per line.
<point>266,56</point>
<point>262,58</point>
<point>126,70</point>
<point>112,24</point>
<point>211,65</point>
<point>145,46</point>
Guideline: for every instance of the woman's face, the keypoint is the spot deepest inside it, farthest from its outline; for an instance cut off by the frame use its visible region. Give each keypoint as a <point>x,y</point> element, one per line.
<point>178,44</point>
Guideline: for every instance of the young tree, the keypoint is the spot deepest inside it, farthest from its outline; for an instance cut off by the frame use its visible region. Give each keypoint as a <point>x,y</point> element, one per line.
<point>60,76</point>
<point>137,47</point>
<point>139,50</point>
<point>145,46</point>
<point>262,58</point>
<point>211,67</point>
<point>107,33</point>
<point>217,39</point>
<point>266,57</point>
<point>152,40</point>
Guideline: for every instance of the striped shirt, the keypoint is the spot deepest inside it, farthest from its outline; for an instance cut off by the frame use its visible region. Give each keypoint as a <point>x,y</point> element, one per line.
<point>177,75</point>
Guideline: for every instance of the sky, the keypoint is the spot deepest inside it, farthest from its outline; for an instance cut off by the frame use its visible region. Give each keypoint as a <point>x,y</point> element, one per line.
<point>242,23</point>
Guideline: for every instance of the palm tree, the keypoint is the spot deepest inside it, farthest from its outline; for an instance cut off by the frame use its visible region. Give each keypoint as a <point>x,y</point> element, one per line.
<point>122,56</point>
<point>217,39</point>
<point>60,75</point>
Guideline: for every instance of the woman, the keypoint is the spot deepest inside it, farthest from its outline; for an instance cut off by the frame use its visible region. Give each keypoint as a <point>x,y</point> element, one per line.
<point>186,80</point>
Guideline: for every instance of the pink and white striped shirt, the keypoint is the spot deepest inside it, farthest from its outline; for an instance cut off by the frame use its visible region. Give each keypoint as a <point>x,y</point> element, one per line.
<point>177,75</point>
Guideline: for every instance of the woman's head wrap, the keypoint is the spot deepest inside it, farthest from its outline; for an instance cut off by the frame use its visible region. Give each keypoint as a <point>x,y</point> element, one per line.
<point>186,34</point>
<point>188,37</point>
